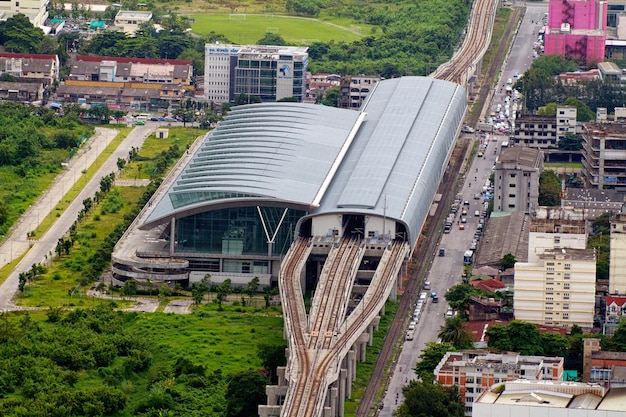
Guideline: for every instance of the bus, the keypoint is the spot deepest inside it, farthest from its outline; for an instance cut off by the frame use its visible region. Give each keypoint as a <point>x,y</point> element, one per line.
<point>468,257</point>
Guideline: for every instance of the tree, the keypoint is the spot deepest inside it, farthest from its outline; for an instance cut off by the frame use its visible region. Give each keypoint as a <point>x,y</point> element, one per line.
<point>222,291</point>
<point>430,358</point>
<point>583,112</point>
<point>245,392</point>
<point>272,356</point>
<point>425,399</point>
<point>549,189</point>
<point>198,289</point>
<point>453,332</point>
<point>517,336</point>
<point>129,287</point>
<point>458,296</point>
<point>508,261</point>
<point>17,34</point>
<point>571,142</point>
<point>253,287</point>
<point>331,98</point>
<point>268,293</point>
<point>554,344</point>
<point>271,39</point>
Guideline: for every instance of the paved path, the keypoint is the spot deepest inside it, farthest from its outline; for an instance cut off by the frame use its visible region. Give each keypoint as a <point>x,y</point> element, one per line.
<point>40,250</point>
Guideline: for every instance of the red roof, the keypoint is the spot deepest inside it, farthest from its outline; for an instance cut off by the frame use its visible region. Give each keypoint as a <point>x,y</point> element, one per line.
<point>89,58</point>
<point>33,56</point>
<point>613,299</point>
<point>477,328</point>
<point>493,284</point>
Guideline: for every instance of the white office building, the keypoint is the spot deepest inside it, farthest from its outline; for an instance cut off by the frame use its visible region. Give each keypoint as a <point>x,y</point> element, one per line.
<point>268,72</point>
<point>35,10</point>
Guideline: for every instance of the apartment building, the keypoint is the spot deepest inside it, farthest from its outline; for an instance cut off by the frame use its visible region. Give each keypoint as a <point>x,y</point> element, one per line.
<point>516,179</point>
<point>475,371</point>
<point>30,67</point>
<point>559,289</point>
<point>554,234</point>
<point>604,155</point>
<point>545,131</point>
<point>617,257</point>
<point>354,89</point>
<point>35,10</point>
<point>268,72</point>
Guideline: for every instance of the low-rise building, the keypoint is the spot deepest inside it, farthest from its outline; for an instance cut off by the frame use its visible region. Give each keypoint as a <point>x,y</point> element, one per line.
<point>549,399</point>
<point>516,179</point>
<point>21,92</point>
<point>615,308</point>
<point>35,10</point>
<point>558,290</point>
<point>30,67</point>
<point>354,89</point>
<point>475,371</point>
<point>129,21</point>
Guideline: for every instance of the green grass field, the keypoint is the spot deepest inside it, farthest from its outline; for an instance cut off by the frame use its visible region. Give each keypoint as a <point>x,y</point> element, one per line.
<point>248,29</point>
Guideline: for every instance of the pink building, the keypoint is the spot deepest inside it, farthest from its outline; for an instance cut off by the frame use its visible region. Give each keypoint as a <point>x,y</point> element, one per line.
<point>577,30</point>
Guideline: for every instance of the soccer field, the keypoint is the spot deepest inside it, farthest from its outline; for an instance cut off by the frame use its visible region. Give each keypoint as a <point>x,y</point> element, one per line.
<point>248,29</point>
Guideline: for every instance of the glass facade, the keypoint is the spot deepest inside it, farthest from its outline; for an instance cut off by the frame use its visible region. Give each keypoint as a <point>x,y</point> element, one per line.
<point>236,231</point>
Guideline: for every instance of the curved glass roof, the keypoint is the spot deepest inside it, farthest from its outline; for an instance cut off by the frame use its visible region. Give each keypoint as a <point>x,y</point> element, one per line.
<point>270,151</point>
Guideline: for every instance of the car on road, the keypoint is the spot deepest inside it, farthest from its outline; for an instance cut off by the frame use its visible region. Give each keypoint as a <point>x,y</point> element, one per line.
<point>466,203</point>
<point>476,213</point>
<point>427,285</point>
<point>433,294</point>
<point>461,227</point>
<point>476,196</point>
<point>480,154</point>
<point>436,299</point>
<point>463,212</point>
<point>463,219</point>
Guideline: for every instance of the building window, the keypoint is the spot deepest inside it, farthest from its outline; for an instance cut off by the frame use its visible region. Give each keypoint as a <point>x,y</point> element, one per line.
<point>511,185</point>
<point>566,275</point>
<point>550,268</point>
<point>566,296</point>
<point>566,286</point>
<point>565,306</point>
<point>568,266</point>
<point>557,240</point>
<point>565,316</point>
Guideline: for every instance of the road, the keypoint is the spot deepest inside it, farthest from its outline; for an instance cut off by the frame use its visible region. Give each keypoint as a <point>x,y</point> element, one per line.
<point>42,248</point>
<point>446,271</point>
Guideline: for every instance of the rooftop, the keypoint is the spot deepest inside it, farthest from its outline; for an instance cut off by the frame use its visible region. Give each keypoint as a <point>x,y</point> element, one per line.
<point>569,254</point>
<point>605,129</point>
<point>521,156</point>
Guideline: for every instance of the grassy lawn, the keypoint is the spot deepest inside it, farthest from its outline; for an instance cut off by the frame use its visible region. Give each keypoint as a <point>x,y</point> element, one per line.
<point>295,30</point>
<point>53,288</point>
<point>143,166</point>
<point>365,369</point>
<point>562,165</point>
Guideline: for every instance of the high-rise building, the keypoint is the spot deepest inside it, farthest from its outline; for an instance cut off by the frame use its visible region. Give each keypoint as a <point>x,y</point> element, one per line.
<point>559,289</point>
<point>604,155</point>
<point>577,30</point>
<point>554,234</point>
<point>268,72</point>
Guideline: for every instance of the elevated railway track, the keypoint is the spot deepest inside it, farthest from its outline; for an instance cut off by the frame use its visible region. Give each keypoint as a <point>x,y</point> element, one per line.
<point>319,340</point>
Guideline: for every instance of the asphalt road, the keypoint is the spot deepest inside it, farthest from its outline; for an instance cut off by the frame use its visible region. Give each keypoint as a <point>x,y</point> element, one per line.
<point>446,271</point>
<point>43,248</point>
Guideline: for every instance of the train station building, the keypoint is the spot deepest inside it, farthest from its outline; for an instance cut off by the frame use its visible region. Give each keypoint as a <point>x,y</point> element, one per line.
<point>272,172</point>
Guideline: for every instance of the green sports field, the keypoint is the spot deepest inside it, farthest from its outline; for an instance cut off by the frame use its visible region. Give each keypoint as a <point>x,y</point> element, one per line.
<point>248,29</point>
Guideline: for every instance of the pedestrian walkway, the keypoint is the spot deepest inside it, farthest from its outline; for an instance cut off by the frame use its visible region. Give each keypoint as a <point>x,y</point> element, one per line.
<point>38,251</point>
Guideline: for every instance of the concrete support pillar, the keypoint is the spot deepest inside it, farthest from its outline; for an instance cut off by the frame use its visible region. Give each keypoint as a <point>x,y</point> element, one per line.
<point>341,398</point>
<point>362,351</point>
<point>333,393</point>
<point>370,334</point>
<point>172,236</point>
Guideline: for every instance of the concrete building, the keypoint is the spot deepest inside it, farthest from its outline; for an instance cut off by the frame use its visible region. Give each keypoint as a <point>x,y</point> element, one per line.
<point>576,30</point>
<point>354,89</point>
<point>30,67</point>
<point>610,72</point>
<point>35,10</point>
<point>557,233</point>
<point>268,72</point>
<point>524,398</point>
<point>604,155</point>
<point>516,179</point>
<point>129,21</point>
<point>557,290</point>
<point>475,371</point>
<point>617,257</point>
<point>21,92</point>
<point>601,367</point>
<point>545,131</point>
